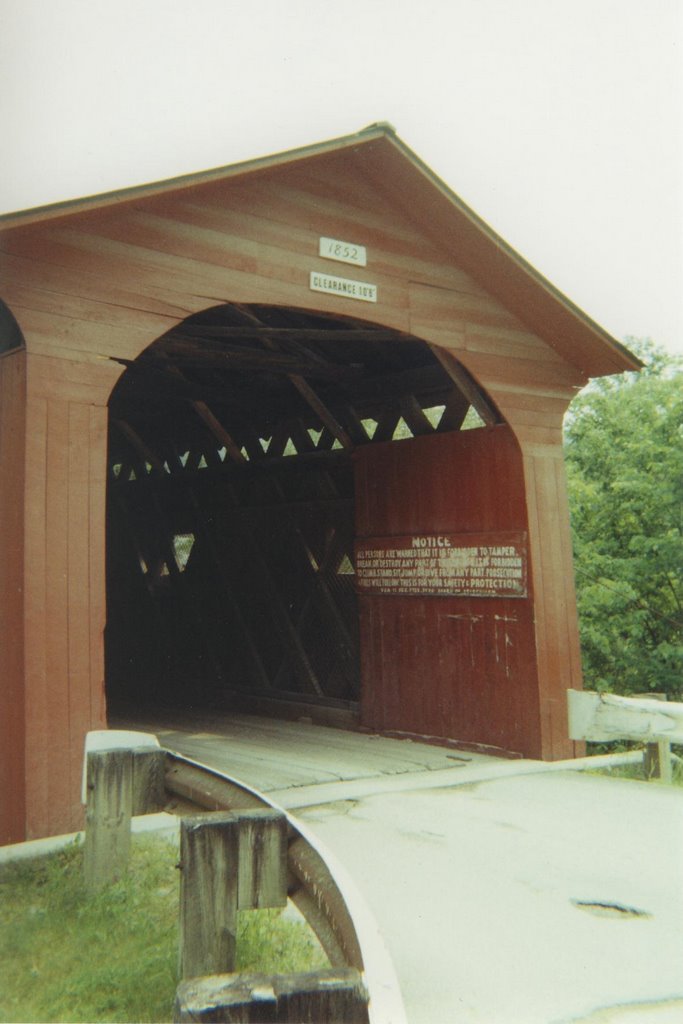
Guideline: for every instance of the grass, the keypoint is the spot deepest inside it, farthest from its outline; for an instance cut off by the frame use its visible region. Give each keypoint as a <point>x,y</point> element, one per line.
<point>69,956</point>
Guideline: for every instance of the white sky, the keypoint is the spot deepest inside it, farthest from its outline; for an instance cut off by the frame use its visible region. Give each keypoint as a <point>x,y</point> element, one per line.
<point>559,121</point>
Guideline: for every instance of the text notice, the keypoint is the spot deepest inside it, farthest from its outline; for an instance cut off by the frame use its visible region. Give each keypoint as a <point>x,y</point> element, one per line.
<point>474,565</point>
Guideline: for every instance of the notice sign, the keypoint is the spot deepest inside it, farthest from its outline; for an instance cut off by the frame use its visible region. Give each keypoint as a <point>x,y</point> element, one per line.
<point>472,565</point>
<point>343,287</point>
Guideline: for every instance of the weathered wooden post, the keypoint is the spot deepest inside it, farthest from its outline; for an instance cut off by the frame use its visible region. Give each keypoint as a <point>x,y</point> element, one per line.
<point>262,880</point>
<point>335,994</point>
<point>228,862</point>
<point>109,809</point>
<point>657,756</point>
<point>123,774</point>
<point>209,850</point>
<point>658,761</point>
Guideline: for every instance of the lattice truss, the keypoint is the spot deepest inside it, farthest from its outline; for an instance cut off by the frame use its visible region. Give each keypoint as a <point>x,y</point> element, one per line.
<point>230,532</point>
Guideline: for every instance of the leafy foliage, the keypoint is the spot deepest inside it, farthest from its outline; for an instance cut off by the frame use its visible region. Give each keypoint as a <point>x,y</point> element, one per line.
<point>624,452</point>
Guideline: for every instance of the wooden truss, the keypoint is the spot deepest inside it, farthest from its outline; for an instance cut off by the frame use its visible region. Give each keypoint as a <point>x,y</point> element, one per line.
<point>231,497</point>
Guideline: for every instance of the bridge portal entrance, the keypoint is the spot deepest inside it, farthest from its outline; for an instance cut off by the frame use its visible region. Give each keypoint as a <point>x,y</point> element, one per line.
<point>234,447</point>
<point>293,512</point>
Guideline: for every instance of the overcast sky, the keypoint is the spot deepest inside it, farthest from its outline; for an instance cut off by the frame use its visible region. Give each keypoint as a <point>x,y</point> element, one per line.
<point>559,121</point>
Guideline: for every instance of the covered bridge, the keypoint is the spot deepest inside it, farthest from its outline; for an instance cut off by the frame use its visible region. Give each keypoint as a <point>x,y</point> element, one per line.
<point>283,437</point>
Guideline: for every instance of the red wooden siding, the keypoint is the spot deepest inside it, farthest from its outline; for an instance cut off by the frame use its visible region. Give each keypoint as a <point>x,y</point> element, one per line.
<point>124,275</point>
<point>557,636</point>
<point>97,285</point>
<point>12,747</point>
<point>532,387</point>
<point>452,667</point>
<point>64,590</point>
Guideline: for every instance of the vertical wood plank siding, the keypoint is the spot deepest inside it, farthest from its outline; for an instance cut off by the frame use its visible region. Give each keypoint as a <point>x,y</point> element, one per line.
<point>65,586</point>
<point>99,285</point>
<point>453,667</point>
<point>558,646</point>
<point>533,395</point>
<point>35,625</point>
<point>12,443</point>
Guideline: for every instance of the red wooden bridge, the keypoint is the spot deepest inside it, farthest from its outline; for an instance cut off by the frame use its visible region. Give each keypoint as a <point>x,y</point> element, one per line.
<point>283,437</point>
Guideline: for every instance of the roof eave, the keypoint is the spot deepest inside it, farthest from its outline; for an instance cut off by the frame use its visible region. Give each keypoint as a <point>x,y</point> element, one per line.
<point>525,271</point>
<point>609,355</point>
<point>22,218</point>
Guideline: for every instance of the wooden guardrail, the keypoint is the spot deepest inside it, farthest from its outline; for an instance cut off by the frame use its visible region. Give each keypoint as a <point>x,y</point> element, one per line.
<point>604,717</point>
<point>332,995</point>
<point>245,852</point>
<point>311,885</point>
<point>228,862</point>
<point>123,775</point>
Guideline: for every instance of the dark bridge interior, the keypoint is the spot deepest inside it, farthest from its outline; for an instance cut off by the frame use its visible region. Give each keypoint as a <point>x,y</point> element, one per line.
<point>230,523</point>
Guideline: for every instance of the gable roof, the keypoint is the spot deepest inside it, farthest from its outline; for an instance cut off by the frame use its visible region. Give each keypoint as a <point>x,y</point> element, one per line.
<point>427,200</point>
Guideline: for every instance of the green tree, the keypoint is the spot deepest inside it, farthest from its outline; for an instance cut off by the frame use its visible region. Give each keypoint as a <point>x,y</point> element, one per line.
<point>624,452</point>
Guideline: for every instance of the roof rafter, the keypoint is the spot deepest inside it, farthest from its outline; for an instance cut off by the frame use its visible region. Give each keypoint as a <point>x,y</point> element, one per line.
<point>219,431</point>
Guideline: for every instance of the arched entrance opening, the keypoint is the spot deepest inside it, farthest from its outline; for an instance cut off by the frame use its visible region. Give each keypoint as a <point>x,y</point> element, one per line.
<point>231,504</point>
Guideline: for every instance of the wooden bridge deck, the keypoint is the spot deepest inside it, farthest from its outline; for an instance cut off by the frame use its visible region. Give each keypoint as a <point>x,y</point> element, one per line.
<point>284,757</point>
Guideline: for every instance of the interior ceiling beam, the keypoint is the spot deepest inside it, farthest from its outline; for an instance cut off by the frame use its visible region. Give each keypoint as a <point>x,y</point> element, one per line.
<point>466,385</point>
<point>327,418</point>
<point>245,382</point>
<point>386,425</point>
<point>294,346</point>
<point>143,450</point>
<point>171,484</point>
<point>300,437</point>
<point>252,442</point>
<point>219,431</point>
<point>301,385</point>
<point>295,333</point>
<point>167,381</point>
<point>420,380</point>
<point>216,353</point>
<point>456,407</point>
<point>278,440</point>
<point>355,426</point>
<point>415,417</point>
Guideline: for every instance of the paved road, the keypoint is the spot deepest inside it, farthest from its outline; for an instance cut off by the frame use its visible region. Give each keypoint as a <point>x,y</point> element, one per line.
<point>506,894</point>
